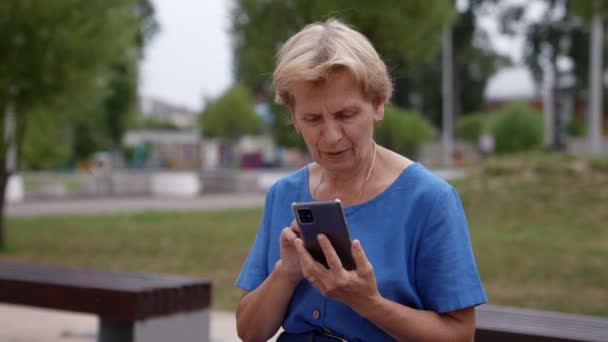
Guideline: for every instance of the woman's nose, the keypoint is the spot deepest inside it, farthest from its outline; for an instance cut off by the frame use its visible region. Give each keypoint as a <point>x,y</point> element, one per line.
<point>332,132</point>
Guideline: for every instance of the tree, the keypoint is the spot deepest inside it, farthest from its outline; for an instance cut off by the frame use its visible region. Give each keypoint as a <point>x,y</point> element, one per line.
<point>474,62</point>
<point>405,33</point>
<point>37,152</point>
<point>259,28</point>
<point>230,116</point>
<point>108,113</point>
<point>556,44</point>
<point>117,107</point>
<point>52,52</point>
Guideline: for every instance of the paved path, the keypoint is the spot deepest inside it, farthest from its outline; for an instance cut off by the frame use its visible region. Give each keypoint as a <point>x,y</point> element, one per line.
<point>27,324</point>
<point>111,205</point>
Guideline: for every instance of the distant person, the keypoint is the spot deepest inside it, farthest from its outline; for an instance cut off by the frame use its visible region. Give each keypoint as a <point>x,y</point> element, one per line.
<point>416,277</point>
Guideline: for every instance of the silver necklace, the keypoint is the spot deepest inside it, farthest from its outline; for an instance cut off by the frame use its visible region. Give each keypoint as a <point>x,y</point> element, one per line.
<point>369,173</point>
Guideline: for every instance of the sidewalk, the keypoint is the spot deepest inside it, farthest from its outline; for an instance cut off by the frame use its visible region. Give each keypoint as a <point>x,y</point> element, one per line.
<point>29,324</point>
<point>113,205</point>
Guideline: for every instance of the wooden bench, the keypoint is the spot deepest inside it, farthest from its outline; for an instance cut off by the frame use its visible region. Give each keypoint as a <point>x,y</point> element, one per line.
<point>132,307</point>
<point>502,324</point>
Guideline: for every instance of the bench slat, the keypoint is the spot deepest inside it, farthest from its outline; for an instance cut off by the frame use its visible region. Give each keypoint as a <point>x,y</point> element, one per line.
<point>113,295</point>
<point>492,321</point>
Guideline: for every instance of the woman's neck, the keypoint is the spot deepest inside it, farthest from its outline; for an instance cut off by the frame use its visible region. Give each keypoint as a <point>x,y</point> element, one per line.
<point>350,186</point>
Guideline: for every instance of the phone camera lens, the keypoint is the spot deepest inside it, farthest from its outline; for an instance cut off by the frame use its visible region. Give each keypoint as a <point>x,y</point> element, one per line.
<point>305,215</point>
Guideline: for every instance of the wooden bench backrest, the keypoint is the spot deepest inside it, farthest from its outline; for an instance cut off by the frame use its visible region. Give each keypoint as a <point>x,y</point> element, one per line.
<point>112,295</point>
<point>498,324</point>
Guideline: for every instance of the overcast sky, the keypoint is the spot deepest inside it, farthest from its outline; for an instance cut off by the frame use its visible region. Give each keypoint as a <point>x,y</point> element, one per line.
<point>191,56</point>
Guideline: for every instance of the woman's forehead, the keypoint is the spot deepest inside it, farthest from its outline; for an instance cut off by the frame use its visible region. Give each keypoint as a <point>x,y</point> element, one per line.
<point>340,90</point>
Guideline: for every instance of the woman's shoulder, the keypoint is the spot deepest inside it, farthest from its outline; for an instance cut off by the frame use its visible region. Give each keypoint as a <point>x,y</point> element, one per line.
<point>292,181</point>
<point>409,174</point>
<point>418,182</point>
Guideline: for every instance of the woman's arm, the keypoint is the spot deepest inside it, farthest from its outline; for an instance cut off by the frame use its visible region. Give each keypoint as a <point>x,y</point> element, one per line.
<point>260,312</point>
<point>405,324</point>
<point>358,289</point>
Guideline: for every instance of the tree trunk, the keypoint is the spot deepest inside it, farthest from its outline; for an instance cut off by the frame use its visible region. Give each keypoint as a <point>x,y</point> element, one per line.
<point>7,153</point>
<point>3,182</point>
<point>548,104</point>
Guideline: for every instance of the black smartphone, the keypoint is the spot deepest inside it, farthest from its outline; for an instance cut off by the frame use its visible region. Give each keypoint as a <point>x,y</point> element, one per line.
<point>325,217</point>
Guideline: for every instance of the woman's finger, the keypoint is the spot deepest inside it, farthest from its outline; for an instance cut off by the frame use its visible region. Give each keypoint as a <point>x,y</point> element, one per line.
<point>331,256</point>
<point>361,261</point>
<point>288,235</point>
<point>310,267</point>
<point>294,227</point>
<point>305,257</point>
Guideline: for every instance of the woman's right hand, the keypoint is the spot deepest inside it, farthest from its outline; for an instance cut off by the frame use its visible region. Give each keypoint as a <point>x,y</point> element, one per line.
<point>290,259</point>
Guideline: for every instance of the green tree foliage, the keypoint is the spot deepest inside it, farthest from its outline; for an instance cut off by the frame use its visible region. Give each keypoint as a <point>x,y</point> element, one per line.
<point>557,35</point>
<point>230,116</point>
<point>54,52</point>
<point>475,61</point>
<point>96,119</point>
<point>44,145</point>
<point>118,112</point>
<point>517,128</point>
<point>407,34</point>
<point>471,126</point>
<point>404,32</point>
<point>587,8</point>
<point>403,131</point>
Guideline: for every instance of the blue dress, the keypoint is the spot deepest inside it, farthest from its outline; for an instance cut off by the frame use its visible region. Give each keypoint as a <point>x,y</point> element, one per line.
<point>414,234</point>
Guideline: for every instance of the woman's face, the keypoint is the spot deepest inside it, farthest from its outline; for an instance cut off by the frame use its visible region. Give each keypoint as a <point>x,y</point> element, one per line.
<point>336,121</point>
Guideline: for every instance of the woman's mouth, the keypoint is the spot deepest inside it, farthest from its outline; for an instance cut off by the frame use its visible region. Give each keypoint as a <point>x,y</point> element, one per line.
<point>336,154</point>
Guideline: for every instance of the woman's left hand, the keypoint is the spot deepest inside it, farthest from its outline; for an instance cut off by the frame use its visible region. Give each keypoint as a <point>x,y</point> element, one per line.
<point>355,288</point>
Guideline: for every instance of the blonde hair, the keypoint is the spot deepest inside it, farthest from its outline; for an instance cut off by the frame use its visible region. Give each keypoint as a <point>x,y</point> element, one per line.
<point>319,50</point>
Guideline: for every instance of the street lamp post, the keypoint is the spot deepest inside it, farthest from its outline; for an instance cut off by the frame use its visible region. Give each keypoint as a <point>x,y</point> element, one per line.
<point>448,97</point>
<point>596,82</point>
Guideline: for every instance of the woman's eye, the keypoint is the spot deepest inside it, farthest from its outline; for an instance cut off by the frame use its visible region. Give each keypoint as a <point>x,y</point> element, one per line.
<point>347,115</point>
<point>311,118</point>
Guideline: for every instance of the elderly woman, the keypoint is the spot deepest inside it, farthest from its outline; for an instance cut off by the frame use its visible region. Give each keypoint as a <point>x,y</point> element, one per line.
<point>415,276</point>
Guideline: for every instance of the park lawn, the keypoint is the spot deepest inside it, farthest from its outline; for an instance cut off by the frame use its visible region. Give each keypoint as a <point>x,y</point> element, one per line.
<point>537,224</point>
<point>211,245</point>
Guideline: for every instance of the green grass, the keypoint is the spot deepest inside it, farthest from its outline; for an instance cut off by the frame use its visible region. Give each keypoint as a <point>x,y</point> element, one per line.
<point>537,223</point>
<point>540,233</point>
<point>212,245</point>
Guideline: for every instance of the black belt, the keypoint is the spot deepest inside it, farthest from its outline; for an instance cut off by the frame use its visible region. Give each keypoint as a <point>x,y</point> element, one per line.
<point>314,336</point>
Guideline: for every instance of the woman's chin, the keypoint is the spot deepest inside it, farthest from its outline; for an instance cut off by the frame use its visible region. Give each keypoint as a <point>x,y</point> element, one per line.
<point>336,166</point>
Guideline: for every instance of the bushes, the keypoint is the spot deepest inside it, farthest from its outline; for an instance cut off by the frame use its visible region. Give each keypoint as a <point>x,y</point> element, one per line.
<point>403,131</point>
<point>517,128</point>
<point>471,126</point>
<point>576,128</point>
